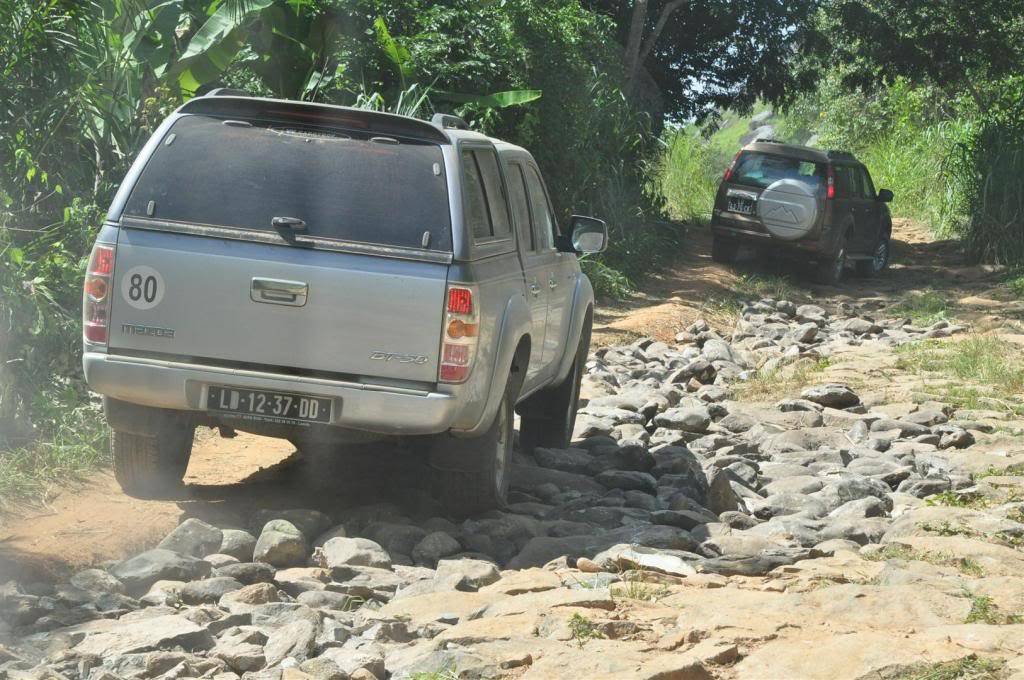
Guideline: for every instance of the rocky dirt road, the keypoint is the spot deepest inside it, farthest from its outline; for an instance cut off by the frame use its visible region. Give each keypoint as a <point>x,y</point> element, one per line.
<point>769,496</point>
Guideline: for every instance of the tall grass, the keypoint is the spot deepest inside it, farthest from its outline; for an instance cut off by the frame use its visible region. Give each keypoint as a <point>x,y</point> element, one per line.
<point>689,179</point>
<point>914,163</point>
<point>990,167</point>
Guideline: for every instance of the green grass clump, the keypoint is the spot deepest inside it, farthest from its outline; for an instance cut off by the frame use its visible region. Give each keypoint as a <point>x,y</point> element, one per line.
<point>76,442</point>
<point>583,630</point>
<point>446,673</point>
<point>980,371</point>
<point>954,499</point>
<point>781,383</point>
<point>984,610</point>
<point>970,667</point>
<point>896,551</point>
<point>923,309</point>
<point>755,287</point>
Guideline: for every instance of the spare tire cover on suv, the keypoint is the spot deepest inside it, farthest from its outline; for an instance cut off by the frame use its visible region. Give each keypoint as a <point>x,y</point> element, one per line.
<point>788,208</point>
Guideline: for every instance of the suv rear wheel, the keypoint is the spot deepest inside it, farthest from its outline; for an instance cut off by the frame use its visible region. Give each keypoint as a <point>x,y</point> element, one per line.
<point>151,466</point>
<point>548,417</point>
<point>879,258</point>
<point>830,271</point>
<point>724,249</point>
<point>472,475</point>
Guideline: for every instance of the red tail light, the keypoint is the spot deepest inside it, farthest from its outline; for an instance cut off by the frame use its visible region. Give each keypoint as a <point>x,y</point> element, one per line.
<point>830,184</point>
<point>458,344</point>
<point>460,301</point>
<point>96,294</point>
<point>728,171</point>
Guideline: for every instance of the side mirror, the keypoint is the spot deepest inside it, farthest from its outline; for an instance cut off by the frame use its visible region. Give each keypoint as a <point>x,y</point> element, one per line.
<point>885,196</point>
<point>589,234</point>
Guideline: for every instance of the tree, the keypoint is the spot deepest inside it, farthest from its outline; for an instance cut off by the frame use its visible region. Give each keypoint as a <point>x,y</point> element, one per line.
<point>705,55</point>
<point>959,47</point>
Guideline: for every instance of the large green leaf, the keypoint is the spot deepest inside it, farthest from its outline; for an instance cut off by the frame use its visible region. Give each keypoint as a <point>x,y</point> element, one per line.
<point>229,16</point>
<point>395,51</point>
<point>215,45</point>
<point>497,100</point>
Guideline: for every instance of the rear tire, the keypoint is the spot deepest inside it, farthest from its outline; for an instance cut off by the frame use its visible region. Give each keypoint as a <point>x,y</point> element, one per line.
<point>830,272</point>
<point>471,475</point>
<point>151,466</point>
<point>548,417</point>
<point>879,259</point>
<point>724,250</point>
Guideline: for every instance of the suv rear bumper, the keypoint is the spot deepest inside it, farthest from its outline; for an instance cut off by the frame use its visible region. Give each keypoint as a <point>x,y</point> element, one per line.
<point>180,386</point>
<point>749,230</point>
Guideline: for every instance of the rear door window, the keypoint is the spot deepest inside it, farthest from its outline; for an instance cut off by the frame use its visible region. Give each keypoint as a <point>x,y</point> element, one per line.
<point>847,185</point>
<point>487,161</point>
<point>521,206</point>
<point>477,216</point>
<point>867,189</point>
<point>758,169</point>
<point>543,220</point>
<point>344,185</point>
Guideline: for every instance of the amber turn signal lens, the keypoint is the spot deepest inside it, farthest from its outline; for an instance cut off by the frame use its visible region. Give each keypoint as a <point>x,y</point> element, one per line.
<point>460,329</point>
<point>96,288</point>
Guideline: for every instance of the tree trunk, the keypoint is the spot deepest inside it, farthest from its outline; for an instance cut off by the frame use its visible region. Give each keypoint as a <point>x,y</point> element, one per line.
<point>634,43</point>
<point>638,47</point>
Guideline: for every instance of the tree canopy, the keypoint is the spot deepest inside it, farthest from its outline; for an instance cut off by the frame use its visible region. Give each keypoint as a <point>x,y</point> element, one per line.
<point>706,55</point>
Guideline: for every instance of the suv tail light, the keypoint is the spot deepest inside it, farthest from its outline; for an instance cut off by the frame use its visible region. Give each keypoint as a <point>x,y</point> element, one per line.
<point>97,293</point>
<point>830,183</point>
<point>459,336</point>
<point>728,171</point>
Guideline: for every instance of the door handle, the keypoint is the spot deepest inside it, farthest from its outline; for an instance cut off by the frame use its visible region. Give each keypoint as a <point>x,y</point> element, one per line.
<point>279,292</point>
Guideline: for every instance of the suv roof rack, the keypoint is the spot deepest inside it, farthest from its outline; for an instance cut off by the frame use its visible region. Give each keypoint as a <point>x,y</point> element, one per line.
<point>768,140</point>
<point>446,121</point>
<point>841,155</point>
<point>226,92</point>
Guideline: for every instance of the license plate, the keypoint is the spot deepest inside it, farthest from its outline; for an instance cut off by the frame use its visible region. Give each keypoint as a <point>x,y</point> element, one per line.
<point>741,205</point>
<point>268,406</point>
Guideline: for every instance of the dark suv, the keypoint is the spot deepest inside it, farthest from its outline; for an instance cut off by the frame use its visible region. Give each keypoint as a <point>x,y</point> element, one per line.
<point>818,205</point>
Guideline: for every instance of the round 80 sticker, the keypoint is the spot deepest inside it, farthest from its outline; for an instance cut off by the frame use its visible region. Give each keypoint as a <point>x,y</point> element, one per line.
<point>142,287</point>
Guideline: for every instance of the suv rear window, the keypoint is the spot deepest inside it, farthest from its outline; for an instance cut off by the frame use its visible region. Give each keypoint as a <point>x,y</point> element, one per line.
<point>343,185</point>
<point>758,169</point>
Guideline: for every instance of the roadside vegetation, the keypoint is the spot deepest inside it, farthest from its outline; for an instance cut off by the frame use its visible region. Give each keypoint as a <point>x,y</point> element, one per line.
<point>971,667</point>
<point>977,372</point>
<point>923,309</point>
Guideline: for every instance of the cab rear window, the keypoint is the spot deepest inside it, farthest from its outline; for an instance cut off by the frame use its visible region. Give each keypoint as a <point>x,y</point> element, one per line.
<point>757,169</point>
<point>344,186</point>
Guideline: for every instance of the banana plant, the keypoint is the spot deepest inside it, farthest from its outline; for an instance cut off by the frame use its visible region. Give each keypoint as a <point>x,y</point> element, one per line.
<point>217,42</point>
<point>401,58</point>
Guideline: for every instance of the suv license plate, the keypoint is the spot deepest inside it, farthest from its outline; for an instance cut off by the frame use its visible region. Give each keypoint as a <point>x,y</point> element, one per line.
<point>268,406</point>
<point>741,205</point>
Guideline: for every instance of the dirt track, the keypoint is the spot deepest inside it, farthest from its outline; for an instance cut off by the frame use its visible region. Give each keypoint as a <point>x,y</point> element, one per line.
<point>227,479</point>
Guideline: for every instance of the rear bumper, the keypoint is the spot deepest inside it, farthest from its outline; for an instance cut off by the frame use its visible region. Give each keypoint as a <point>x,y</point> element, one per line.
<point>183,387</point>
<point>750,230</point>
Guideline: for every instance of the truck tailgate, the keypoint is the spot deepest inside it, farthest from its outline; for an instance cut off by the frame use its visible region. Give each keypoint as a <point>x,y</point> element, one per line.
<point>240,303</point>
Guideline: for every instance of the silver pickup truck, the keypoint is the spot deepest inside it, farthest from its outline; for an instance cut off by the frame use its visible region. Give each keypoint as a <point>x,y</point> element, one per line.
<point>331,275</point>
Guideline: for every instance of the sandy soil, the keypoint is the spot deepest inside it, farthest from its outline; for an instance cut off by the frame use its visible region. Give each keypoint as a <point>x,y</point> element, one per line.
<point>228,478</point>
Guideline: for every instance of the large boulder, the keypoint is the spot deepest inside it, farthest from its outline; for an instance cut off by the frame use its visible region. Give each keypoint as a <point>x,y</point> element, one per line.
<point>832,395</point>
<point>194,538</point>
<point>138,573</point>
<point>281,544</point>
<point>362,552</point>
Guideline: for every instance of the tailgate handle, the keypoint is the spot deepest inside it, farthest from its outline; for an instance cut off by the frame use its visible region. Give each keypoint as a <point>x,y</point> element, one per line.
<point>279,292</point>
